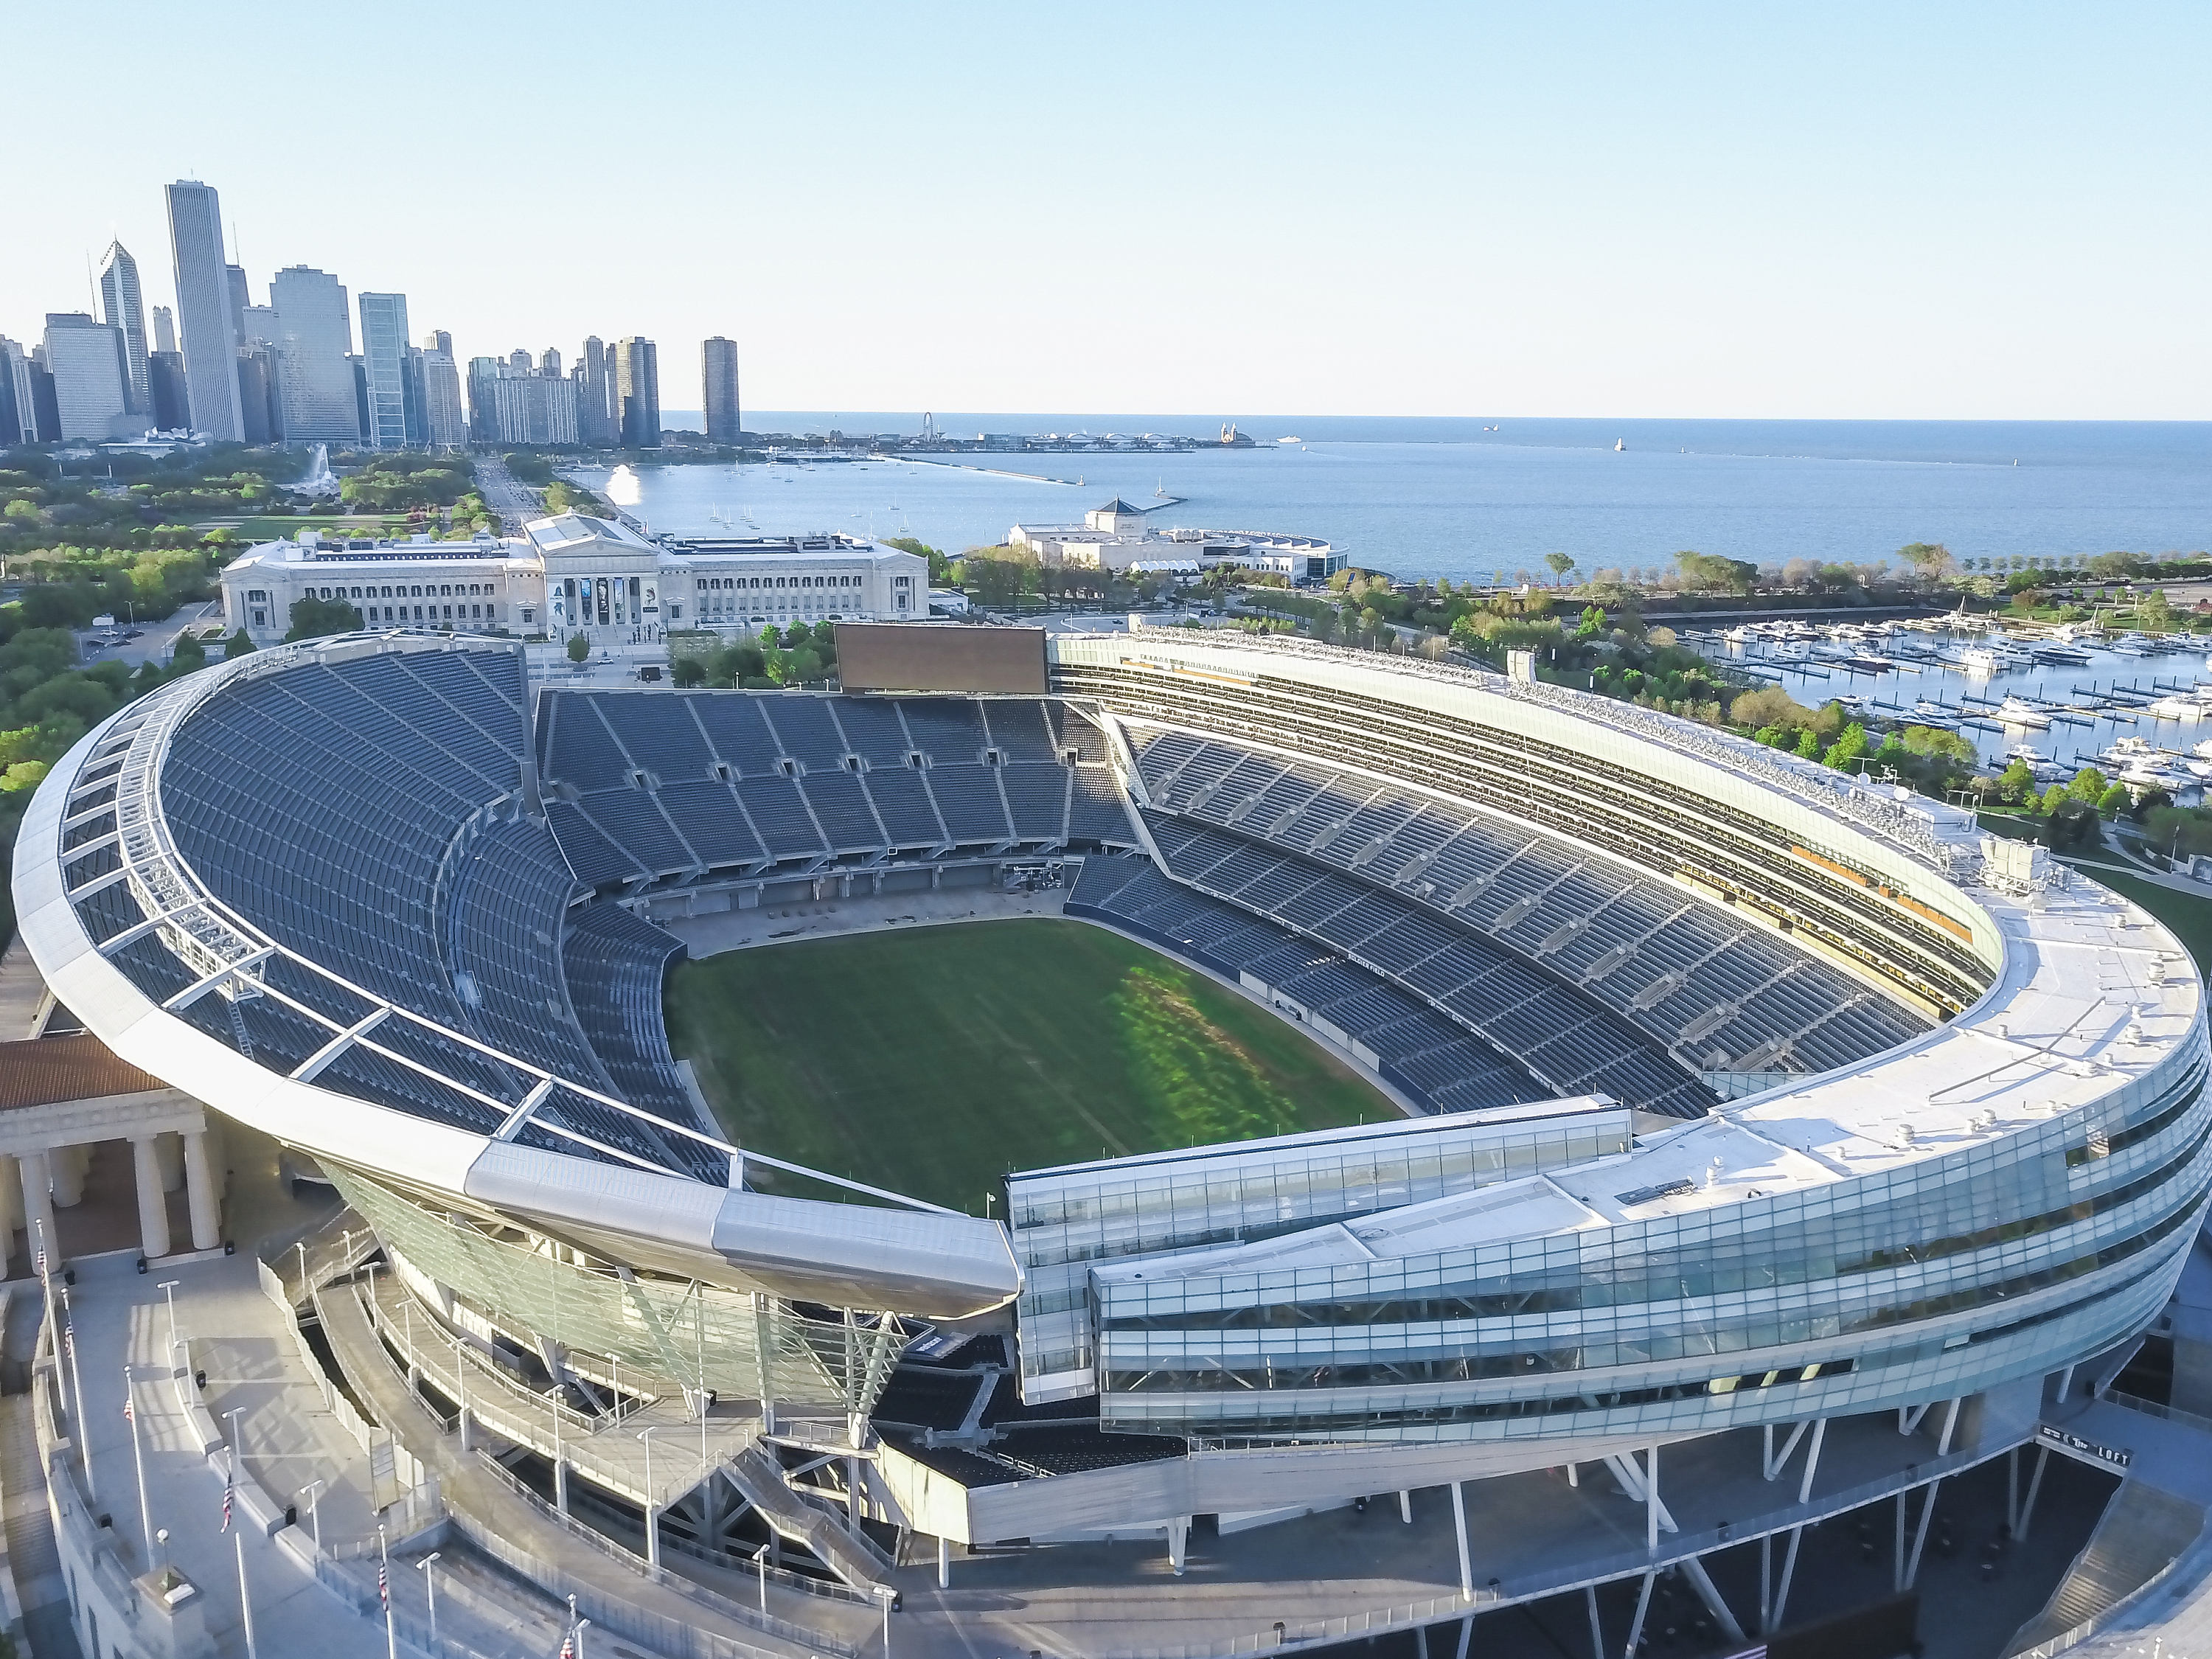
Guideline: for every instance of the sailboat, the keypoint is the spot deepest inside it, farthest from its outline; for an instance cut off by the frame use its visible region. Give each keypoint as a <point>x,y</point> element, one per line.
<point>1160,491</point>
<point>1619,445</point>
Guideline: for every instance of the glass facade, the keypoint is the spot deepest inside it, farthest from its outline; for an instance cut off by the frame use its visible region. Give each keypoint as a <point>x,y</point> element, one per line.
<point>1125,1211</point>
<point>1931,1276</point>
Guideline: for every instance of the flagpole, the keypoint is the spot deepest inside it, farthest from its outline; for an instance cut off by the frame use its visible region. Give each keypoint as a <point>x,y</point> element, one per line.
<point>138,1456</point>
<point>230,1475</point>
<point>384,1590</point>
<point>244,1599</point>
<point>76,1384</point>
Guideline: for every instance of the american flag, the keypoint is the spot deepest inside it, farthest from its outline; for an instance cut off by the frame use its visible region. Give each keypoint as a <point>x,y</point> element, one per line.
<point>226,1500</point>
<point>69,1341</point>
<point>383,1588</point>
<point>126,1408</point>
<point>42,1264</point>
<point>569,1644</point>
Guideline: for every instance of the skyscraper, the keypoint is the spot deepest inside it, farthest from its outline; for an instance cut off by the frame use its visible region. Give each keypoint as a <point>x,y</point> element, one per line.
<point>438,340</point>
<point>314,372</point>
<point>240,297</point>
<point>718,375</point>
<point>19,422</point>
<point>165,330</point>
<point>549,361</point>
<point>204,309</point>
<point>384,353</point>
<point>173,404</point>
<point>92,376</point>
<point>123,306</point>
<point>595,395</point>
<point>637,391</point>
<point>443,427</point>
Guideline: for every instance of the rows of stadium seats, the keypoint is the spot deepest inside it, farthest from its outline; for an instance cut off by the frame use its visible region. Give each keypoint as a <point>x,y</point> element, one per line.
<point>666,784</point>
<point>1582,796</point>
<point>1574,1044</point>
<point>1721,993</point>
<point>614,963</point>
<point>320,805</point>
<point>1434,1061</point>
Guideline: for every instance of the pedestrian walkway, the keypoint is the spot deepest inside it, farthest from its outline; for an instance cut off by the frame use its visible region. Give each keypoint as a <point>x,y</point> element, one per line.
<point>494,1510</point>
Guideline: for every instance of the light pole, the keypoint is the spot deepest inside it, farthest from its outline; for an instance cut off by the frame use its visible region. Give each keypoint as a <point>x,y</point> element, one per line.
<point>885,1594</point>
<point>430,1589</point>
<point>560,1463</point>
<point>301,1246</point>
<point>312,1492</point>
<point>168,1289</point>
<point>759,1560</point>
<point>652,1536</point>
<point>138,1456</point>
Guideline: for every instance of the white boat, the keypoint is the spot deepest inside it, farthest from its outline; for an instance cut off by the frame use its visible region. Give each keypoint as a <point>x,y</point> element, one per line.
<point>1620,444</point>
<point>1289,441</point>
<point>2018,711</point>
<point>2178,708</point>
<point>1979,660</point>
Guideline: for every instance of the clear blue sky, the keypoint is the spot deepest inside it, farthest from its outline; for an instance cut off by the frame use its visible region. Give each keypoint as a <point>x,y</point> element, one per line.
<point>1863,210</point>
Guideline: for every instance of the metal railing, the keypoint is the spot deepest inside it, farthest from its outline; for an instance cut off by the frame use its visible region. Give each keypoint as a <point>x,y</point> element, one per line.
<point>671,1638</point>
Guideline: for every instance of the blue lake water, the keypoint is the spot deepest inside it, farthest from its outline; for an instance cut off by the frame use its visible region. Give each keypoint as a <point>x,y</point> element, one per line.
<point>1454,498</point>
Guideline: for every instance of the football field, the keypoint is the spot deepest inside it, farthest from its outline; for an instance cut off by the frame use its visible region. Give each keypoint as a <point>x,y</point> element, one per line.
<point>931,1061</point>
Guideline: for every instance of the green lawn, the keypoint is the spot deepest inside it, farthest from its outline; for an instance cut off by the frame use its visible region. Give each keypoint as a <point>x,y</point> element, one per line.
<point>932,1061</point>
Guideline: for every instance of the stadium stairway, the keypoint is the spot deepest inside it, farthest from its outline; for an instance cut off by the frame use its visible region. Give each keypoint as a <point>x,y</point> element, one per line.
<point>759,1478</point>
<point>2142,1531</point>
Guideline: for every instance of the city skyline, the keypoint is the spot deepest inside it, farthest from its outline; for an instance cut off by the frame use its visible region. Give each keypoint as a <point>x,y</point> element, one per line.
<point>1721,211</point>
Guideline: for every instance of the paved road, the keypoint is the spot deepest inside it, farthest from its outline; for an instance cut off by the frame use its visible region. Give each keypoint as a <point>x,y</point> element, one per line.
<point>511,501</point>
<point>155,640</point>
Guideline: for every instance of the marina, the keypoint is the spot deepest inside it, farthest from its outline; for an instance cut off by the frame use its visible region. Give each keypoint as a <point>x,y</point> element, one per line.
<point>2136,706</point>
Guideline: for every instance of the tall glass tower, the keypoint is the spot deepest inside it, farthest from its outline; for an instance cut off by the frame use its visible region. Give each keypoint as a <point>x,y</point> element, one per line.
<point>637,391</point>
<point>204,309</point>
<point>123,306</point>
<point>718,375</point>
<point>384,355</point>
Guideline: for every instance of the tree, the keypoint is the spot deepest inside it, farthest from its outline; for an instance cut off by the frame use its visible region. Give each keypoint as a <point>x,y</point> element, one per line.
<point>579,648</point>
<point>236,646</point>
<point>1770,705</point>
<point>2073,826</point>
<point>314,619</point>
<point>187,654</point>
<point>1851,746</point>
<point>2088,785</point>
<point>1560,563</point>
<point>1808,744</point>
<point>2018,782</point>
<point>689,670</point>
<point>1711,571</point>
<point>1930,560</point>
<point>2115,800</point>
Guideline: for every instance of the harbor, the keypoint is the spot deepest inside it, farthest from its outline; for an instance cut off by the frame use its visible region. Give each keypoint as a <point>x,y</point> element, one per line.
<point>2136,706</point>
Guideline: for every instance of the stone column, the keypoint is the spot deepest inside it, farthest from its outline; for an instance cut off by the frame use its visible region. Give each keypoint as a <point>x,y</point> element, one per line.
<point>200,1192</point>
<point>67,1166</point>
<point>169,1149</point>
<point>39,1210</point>
<point>153,1206</point>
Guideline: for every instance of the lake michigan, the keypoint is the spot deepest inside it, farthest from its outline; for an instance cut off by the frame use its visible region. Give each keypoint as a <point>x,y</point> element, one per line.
<point>1467,499</point>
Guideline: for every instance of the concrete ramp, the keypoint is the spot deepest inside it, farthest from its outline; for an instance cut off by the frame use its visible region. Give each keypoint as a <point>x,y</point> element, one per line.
<point>759,1477</point>
<point>2142,1530</point>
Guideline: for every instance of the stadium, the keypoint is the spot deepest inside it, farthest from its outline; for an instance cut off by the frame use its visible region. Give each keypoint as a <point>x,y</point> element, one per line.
<point>1737,1111</point>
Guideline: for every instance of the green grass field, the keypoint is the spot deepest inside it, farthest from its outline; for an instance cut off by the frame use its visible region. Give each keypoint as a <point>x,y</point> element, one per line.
<point>932,1061</point>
